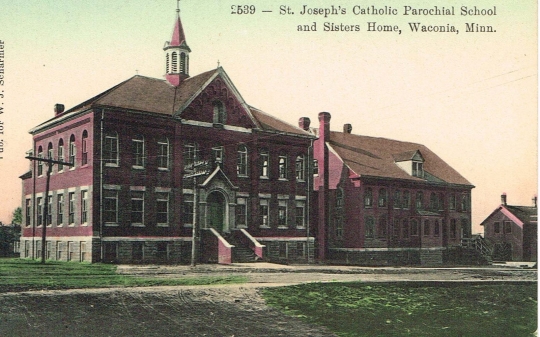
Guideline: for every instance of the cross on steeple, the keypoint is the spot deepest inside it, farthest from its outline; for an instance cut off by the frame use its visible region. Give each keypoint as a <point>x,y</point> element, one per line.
<point>177,6</point>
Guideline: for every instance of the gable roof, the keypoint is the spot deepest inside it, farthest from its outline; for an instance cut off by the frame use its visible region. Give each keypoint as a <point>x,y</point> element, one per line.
<point>146,94</point>
<point>520,215</point>
<point>377,157</point>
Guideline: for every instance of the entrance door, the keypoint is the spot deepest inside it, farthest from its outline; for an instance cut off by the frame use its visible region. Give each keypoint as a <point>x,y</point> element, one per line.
<point>215,215</point>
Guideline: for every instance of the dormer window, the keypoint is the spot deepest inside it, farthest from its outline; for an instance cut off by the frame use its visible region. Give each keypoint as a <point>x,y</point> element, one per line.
<point>411,162</point>
<point>417,169</point>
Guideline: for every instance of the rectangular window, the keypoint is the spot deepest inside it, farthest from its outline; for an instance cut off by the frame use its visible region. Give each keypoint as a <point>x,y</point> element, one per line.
<point>137,208</point>
<point>84,207</point>
<point>264,212</point>
<point>507,227</point>
<point>110,149</point>
<point>300,213</point>
<point>163,154</point>
<point>283,250</point>
<point>452,202</point>
<point>436,229</point>
<point>39,211</point>
<point>315,167</point>
<point>241,212</point>
<point>282,213</point>
<point>187,209</point>
<point>61,156</point>
<point>282,167</point>
<point>397,199</point>
<point>48,250</point>
<point>82,251</point>
<point>406,199</point>
<point>497,227</point>
<point>71,208</point>
<point>242,163</point>
<point>84,158</point>
<point>300,168</point>
<point>162,208</point>
<point>300,249</point>
<point>110,206</point>
<point>418,169</point>
<point>217,153</point>
<point>70,251</point>
<point>453,228</point>
<point>264,159</point>
<point>60,210</point>
<point>369,227</point>
<point>28,212</point>
<point>49,210</point>
<point>419,200</point>
<point>190,154</point>
<point>137,145</point>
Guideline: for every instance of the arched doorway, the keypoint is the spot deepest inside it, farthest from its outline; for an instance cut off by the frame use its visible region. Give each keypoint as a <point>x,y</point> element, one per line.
<point>215,211</point>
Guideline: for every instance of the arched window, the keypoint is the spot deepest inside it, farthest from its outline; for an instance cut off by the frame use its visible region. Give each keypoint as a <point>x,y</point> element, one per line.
<point>182,63</point>
<point>218,154</point>
<point>174,62</point>
<point>382,197</point>
<point>382,228</point>
<point>368,197</point>
<point>464,203</point>
<point>242,163</point>
<point>300,168</point>
<point>50,151</point>
<point>219,113</point>
<point>84,159</point>
<point>60,154</point>
<point>264,160</point>
<point>110,149</point>
<point>369,227</point>
<point>191,154</point>
<point>282,166</point>
<point>40,163</point>
<point>163,153</point>
<point>137,146</point>
<point>72,150</point>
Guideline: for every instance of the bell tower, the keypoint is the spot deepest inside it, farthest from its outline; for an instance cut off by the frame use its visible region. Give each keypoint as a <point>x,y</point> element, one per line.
<point>177,53</point>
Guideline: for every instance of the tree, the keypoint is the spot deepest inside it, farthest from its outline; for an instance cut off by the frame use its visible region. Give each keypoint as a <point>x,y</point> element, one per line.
<point>17,216</point>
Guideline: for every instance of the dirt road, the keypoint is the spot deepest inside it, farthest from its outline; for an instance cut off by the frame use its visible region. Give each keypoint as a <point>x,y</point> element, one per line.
<point>231,310</point>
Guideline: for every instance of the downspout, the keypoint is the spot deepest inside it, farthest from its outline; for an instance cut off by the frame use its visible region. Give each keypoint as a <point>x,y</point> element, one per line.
<point>309,195</point>
<point>101,187</point>
<point>34,210</point>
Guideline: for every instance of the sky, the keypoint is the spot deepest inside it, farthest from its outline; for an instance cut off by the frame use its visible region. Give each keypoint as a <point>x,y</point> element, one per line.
<point>469,97</point>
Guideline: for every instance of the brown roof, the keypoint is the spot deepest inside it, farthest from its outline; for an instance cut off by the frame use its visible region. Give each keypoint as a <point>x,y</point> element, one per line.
<point>524,213</point>
<point>271,123</point>
<point>371,156</point>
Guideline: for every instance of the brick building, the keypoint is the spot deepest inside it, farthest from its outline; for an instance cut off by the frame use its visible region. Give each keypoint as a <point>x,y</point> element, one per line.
<point>383,201</point>
<point>153,158</point>
<point>512,231</point>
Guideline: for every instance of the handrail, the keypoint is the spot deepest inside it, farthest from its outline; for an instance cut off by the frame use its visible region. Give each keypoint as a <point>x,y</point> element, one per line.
<point>221,238</point>
<point>252,239</point>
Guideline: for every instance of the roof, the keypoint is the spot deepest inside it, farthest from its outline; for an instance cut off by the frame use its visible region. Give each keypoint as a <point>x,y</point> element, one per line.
<point>377,157</point>
<point>146,94</point>
<point>178,36</point>
<point>520,215</point>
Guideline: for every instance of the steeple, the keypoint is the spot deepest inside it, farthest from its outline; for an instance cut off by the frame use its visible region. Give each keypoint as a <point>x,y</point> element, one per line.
<point>177,53</point>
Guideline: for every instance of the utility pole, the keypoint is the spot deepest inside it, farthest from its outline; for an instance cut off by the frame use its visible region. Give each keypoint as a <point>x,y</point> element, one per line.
<point>196,169</point>
<point>50,162</point>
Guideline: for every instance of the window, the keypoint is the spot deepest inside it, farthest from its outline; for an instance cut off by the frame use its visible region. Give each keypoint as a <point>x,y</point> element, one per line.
<point>397,199</point>
<point>406,200</point>
<point>84,207</point>
<point>433,202</point>
<point>48,249</point>
<point>452,201</point>
<point>82,251</point>
<point>137,146</point>
<point>282,166</point>
<point>137,208</point>
<point>71,208</point>
<point>464,203</point>
<point>300,168</point>
<point>59,250</point>
<point>368,197</point>
<point>414,227</point>
<point>264,212</point>
<point>282,213</point>
<point>28,212</point>
<point>110,206</point>
<point>162,208</point>
<point>405,229</point>
<point>382,197</point>
<point>396,228</point>
<point>418,169</point>
<point>300,249</point>
<point>315,167</point>
<point>507,227</point>
<point>283,250</point>
<point>183,63</point>
<point>436,228</point>
<point>441,202</point>
<point>110,149</point>
<point>264,158</point>
<point>242,163</point>
<point>50,151</point>
<point>339,213</point>
<point>60,210</point>
<point>300,219</point>
<point>453,228</point>
<point>191,154</point>
<point>427,228</point>
<point>219,113</point>
<point>174,62</point>
<point>49,210</point>
<point>168,65</point>
<point>40,163</point>
<point>163,154</point>
<point>40,211</point>
<point>497,227</point>
<point>217,154</point>
<point>370,227</point>
<point>381,229</point>
<point>241,212</point>
<point>72,151</point>
<point>419,200</point>
<point>70,251</point>
<point>84,159</point>
<point>60,154</point>
<point>187,210</point>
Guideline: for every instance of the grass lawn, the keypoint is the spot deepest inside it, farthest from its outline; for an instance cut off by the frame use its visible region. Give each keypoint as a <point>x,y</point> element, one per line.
<point>22,275</point>
<point>413,309</point>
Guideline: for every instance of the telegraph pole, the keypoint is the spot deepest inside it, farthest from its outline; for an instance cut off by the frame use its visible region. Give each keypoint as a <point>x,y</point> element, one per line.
<point>196,169</point>
<point>50,162</point>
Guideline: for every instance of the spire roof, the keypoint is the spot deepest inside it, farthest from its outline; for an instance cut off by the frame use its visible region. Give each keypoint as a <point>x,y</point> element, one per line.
<point>178,36</point>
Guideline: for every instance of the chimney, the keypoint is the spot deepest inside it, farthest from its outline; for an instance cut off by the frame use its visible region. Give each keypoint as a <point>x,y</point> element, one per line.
<point>503,198</point>
<point>303,123</point>
<point>347,128</point>
<point>58,109</point>
<point>535,200</point>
